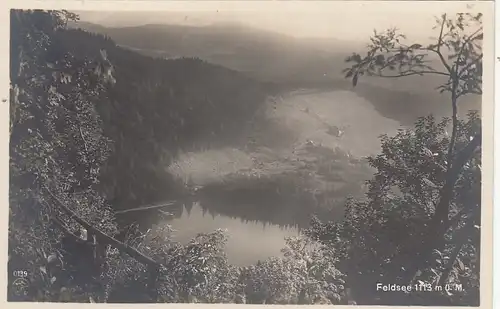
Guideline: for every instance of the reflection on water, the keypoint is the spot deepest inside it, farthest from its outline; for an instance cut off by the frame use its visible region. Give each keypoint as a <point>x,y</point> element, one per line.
<point>252,235</point>
<point>259,211</point>
<point>248,242</point>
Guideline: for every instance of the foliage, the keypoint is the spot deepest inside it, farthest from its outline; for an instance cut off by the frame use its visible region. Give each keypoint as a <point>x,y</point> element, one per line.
<point>460,41</point>
<point>305,275</point>
<point>425,197</point>
<point>376,238</point>
<point>199,272</point>
<point>56,143</point>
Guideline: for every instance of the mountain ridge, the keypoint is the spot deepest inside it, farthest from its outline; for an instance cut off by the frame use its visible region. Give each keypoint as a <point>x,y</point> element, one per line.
<point>285,62</point>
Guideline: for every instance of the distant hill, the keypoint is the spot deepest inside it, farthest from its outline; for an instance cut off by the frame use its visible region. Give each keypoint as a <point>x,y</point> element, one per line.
<point>261,54</point>
<point>285,61</point>
<point>265,55</point>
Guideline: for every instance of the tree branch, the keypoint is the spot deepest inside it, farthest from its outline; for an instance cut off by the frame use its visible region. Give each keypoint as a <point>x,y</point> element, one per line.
<point>105,238</point>
<point>440,221</point>
<point>438,50</point>
<point>465,154</point>
<point>452,175</point>
<point>463,47</point>
<point>145,208</point>
<point>66,230</point>
<point>463,237</point>
<point>410,73</point>
<point>447,269</point>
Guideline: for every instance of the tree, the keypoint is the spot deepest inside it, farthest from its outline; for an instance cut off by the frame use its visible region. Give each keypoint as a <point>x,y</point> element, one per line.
<point>459,51</point>
<point>420,220</point>
<point>56,143</point>
<point>375,242</point>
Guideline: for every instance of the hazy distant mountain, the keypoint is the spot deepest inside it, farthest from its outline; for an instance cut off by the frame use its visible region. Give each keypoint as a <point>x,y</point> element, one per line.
<point>265,55</point>
<point>261,54</point>
<point>284,60</point>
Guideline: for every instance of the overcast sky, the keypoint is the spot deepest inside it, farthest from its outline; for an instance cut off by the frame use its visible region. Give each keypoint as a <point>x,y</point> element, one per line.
<point>337,19</point>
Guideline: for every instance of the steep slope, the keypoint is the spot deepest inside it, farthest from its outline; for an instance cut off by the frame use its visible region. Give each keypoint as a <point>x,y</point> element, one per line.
<point>158,107</point>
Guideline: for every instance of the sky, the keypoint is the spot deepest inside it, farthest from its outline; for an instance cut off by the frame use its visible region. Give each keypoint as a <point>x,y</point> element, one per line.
<point>348,20</point>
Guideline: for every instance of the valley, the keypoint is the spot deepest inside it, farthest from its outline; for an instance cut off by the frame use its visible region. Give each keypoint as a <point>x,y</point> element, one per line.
<point>158,158</point>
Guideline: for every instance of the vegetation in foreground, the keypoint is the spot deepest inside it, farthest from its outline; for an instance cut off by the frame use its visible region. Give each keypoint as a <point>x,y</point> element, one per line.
<point>423,203</point>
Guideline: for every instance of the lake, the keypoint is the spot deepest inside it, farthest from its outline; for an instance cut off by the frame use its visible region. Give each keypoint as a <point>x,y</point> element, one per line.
<point>291,168</point>
<point>248,241</point>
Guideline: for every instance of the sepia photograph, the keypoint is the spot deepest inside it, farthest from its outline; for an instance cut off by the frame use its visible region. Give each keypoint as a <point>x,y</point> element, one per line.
<point>272,153</point>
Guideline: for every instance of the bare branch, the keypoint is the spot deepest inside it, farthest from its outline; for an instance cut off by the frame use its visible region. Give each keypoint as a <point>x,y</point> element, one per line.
<point>410,73</point>
<point>438,50</point>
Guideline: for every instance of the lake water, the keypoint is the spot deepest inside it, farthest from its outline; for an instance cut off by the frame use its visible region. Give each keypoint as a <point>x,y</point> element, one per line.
<point>299,118</point>
<point>248,241</point>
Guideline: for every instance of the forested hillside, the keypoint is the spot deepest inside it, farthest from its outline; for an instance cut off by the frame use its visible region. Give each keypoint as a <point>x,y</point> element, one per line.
<point>159,107</point>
